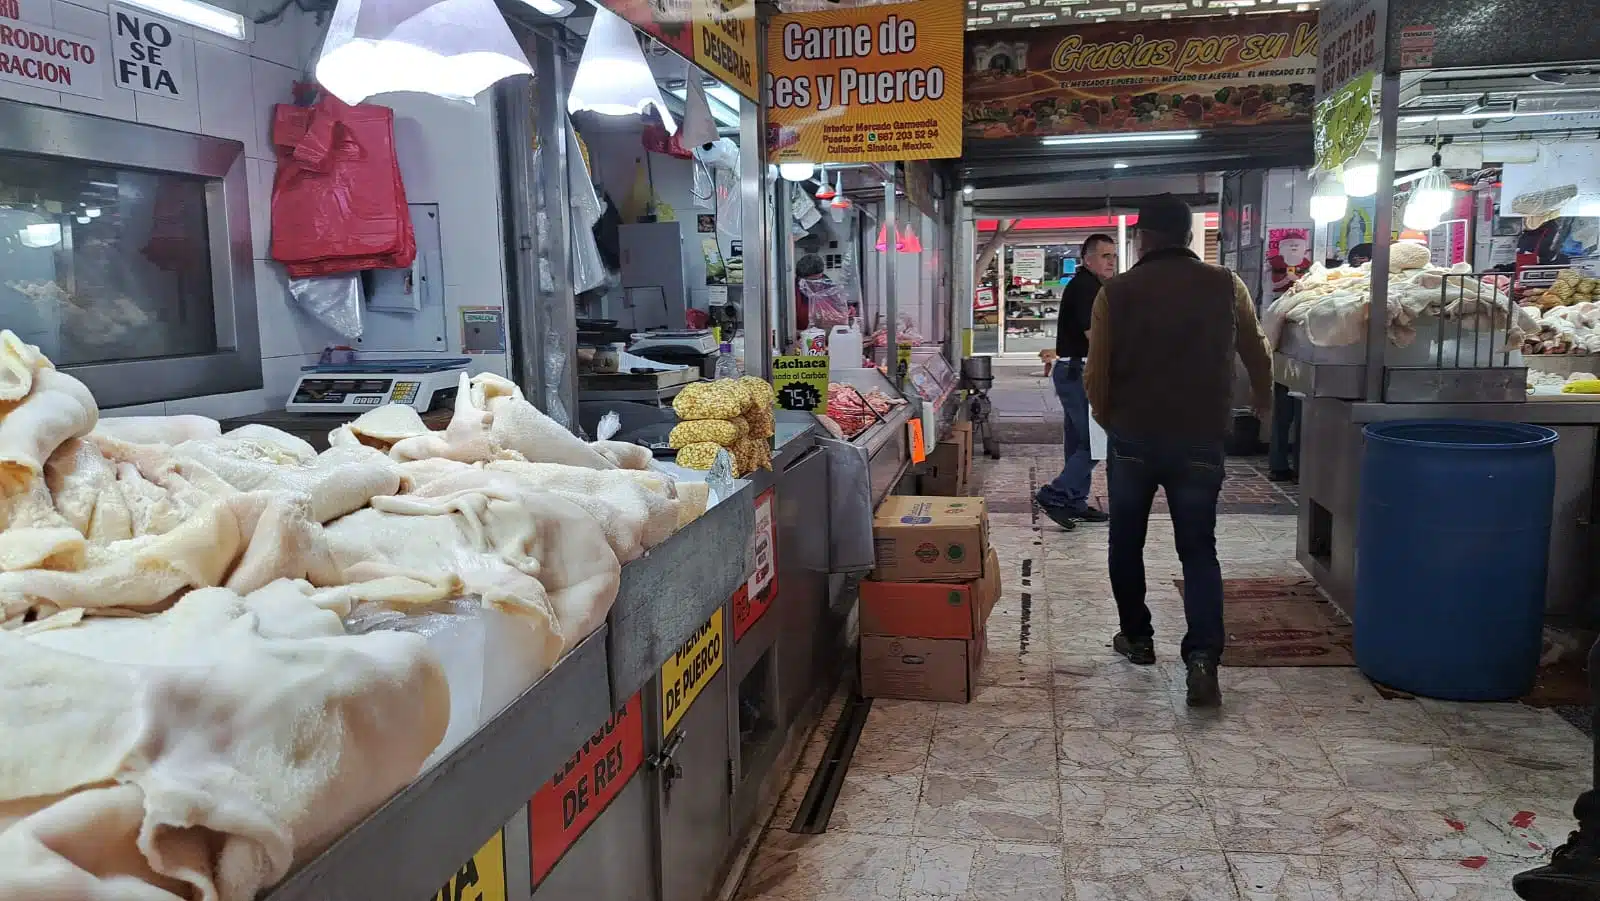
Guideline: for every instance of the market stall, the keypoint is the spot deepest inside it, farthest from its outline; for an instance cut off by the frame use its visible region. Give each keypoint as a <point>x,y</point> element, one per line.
<point>1453,146</point>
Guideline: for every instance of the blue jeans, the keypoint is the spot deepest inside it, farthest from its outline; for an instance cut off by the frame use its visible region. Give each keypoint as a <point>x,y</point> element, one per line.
<point>1192,478</point>
<point>1070,489</point>
<point>1283,455</point>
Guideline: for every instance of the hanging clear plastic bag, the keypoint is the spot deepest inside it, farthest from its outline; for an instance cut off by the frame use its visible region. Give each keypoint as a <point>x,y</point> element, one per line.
<point>333,300</point>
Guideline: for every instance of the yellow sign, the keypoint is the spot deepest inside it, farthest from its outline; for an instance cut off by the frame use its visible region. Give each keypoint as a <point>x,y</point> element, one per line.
<point>688,672</point>
<point>866,84</point>
<point>725,43</point>
<point>482,878</point>
<point>801,383</point>
<point>903,360</point>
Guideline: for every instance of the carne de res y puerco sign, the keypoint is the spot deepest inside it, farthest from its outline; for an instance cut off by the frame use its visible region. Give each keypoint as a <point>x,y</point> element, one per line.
<point>1170,74</point>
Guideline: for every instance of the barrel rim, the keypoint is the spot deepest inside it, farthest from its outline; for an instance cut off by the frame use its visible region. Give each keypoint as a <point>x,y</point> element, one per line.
<point>1537,435</point>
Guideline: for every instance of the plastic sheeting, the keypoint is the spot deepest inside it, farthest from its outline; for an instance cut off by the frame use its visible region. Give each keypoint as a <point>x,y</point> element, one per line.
<point>333,300</point>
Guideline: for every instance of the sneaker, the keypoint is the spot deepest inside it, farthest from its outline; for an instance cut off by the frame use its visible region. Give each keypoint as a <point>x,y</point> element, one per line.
<point>1060,516</point>
<point>1091,514</point>
<point>1203,688</point>
<point>1138,650</point>
<point>1573,873</point>
<point>1281,475</point>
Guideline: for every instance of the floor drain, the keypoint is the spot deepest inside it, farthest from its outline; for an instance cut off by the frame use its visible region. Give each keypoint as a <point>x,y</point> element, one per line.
<point>816,808</point>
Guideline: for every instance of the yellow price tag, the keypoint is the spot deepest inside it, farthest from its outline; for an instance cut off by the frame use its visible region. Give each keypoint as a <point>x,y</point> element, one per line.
<point>801,383</point>
<point>688,672</point>
<point>482,877</point>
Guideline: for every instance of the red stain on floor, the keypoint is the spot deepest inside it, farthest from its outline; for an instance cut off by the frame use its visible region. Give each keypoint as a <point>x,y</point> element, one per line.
<point>1523,819</point>
<point>1457,825</point>
<point>1474,863</point>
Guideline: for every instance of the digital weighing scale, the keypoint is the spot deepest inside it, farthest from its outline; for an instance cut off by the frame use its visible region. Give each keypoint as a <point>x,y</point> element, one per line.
<point>357,387</point>
<point>694,347</point>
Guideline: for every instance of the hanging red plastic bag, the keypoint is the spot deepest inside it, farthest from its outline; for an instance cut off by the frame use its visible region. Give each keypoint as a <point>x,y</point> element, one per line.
<point>338,203</point>
<point>656,140</point>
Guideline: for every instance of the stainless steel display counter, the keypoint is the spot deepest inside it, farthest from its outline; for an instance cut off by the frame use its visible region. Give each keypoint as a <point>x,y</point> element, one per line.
<point>633,768</point>
<point>1332,446</point>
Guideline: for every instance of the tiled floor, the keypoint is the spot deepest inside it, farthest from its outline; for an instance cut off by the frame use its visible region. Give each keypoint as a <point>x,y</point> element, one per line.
<point>1075,776</point>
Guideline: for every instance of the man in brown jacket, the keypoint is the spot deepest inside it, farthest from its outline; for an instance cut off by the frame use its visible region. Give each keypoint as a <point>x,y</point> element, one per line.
<point>1160,377</point>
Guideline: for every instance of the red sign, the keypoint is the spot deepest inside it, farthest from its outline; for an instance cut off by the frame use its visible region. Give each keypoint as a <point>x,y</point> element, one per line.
<point>755,597</point>
<point>584,787</point>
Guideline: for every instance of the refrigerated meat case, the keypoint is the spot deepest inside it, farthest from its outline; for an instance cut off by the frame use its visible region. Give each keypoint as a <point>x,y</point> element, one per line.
<point>637,767</point>
<point>1468,69</point>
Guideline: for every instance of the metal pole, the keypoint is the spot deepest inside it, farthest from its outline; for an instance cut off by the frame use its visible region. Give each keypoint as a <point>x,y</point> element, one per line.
<point>963,285</point>
<point>1382,231</point>
<point>786,320</point>
<point>1122,243</point>
<point>756,240</point>
<point>514,133</point>
<point>891,304</point>
<point>556,315</point>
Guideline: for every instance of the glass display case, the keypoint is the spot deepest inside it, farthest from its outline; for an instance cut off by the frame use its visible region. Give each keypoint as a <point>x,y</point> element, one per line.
<point>125,254</point>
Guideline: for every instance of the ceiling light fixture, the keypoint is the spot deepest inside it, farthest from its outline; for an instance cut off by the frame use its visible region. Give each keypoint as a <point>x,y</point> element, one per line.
<point>200,15</point>
<point>1083,140</point>
<point>796,171</point>
<point>1119,164</point>
<point>1328,201</point>
<point>555,9</point>
<point>453,49</point>
<point>1361,174</point>
<point>613,79</point>
<point>967,190</point>
<point>1414,118</point>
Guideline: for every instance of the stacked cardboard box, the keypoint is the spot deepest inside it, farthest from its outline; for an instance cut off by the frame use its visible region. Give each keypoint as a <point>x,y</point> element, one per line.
<point>948,469</point>
<point>924,607</point>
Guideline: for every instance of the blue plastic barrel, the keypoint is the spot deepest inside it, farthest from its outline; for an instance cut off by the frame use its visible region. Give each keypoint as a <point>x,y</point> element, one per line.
<point>1451,548</point>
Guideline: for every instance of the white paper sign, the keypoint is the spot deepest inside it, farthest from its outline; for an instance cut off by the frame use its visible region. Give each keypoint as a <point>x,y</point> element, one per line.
<point>148,54</point>
<point>1028,263</point>
<point>52,60</point>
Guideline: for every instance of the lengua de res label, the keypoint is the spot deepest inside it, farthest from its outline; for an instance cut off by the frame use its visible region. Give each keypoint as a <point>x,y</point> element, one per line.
<point>584,787</point>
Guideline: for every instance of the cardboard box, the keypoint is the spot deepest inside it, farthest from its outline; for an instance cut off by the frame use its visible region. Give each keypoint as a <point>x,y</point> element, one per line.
<point>961,434</point>
<point>941,474</point>
<point>931,609</point>
<point>929,539</point>
<point>921,669</point>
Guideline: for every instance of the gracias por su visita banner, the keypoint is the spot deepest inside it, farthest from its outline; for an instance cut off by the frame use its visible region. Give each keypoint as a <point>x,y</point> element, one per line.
<point>868,84</point>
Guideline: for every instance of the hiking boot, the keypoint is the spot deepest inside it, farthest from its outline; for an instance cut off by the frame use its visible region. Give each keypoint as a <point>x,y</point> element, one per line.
<point>1573,873</point>
<point>1203,688</point>
<point>1060,516</point>
<point>1091,514</point>
<point>1138,650</point>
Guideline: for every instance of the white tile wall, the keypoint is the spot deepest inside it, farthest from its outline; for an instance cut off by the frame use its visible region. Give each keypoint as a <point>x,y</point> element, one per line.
<point>446,153</point>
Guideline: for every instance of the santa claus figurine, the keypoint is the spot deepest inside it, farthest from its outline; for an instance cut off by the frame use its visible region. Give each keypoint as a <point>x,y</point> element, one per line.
<point>1292,260</point>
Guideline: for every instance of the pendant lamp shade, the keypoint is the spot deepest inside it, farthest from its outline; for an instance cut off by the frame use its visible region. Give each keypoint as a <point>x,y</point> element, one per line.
<point>448,48</point>
<point>911,243</point>
<point>883,238</point>
<point>698,126</point>
<point>825,190</point>
<point>900,241</point>
<point>613,79</point>
<point>1328,202</point>
<point>840,201</point>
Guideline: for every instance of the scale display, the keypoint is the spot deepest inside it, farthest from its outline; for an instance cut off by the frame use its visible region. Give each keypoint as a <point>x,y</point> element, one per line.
<point>338,391</point>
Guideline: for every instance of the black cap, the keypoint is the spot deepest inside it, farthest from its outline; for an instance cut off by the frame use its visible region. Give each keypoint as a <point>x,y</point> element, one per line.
<point>1165,215</point>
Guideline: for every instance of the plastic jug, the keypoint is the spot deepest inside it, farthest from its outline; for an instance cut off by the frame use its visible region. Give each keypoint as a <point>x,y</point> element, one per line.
<point>844,347</point>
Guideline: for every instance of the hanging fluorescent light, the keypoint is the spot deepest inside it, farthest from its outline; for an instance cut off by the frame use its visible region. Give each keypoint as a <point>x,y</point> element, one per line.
<point>1328,202</point>
<point>1081,140</point>
<point>613,79</point>
<point>1361,174</point>
<point>200,15</point>
<point>448,48</point>
<point>1415,118</point>
<point>796,171</point>
<point>1119,164</point>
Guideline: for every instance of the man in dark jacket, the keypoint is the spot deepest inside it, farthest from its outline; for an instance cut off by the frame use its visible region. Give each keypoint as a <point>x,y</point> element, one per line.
<point>1066,498</point>
<point>1160,379</point>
